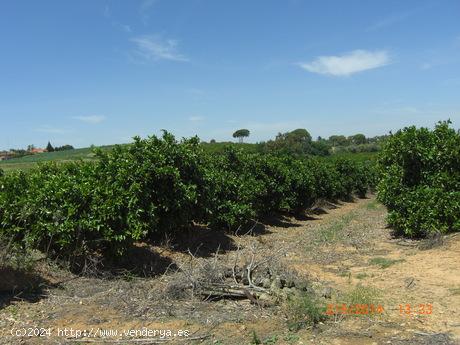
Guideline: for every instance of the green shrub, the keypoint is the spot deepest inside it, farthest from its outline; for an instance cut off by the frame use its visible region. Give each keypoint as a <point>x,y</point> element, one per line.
<point>420,180</point>
<point>304,310</point>
<point>146,189</point>
<point>159,186</point>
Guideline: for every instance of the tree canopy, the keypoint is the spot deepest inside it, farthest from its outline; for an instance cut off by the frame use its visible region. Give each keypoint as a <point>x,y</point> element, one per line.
<point>357,139</point>
<point>298,141</point>
<point>49,147</point>
<point>241,133</point>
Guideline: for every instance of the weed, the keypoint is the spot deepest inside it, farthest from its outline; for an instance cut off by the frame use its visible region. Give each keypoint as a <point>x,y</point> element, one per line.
<point>384,262</point>
<point>455,291</point>
<point>291,338</point>
<point>362,295</point>
<point>255,339</point>
<point>271,340</point>
<point>333,231</point>
<point>15,257</point>
<point>344,273</point>
<point>362,275</point>
<point>373,205</point>
<point>303,310</point>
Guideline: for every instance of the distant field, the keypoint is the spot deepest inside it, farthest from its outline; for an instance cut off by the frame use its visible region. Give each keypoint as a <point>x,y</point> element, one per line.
<point>28,162</point>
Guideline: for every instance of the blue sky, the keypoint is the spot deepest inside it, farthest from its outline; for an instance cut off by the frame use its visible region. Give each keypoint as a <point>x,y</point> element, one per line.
<point>99,72</point>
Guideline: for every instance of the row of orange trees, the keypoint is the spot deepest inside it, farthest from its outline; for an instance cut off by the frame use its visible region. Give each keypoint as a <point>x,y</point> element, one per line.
<point>159,186</point>
<point>420,180</point>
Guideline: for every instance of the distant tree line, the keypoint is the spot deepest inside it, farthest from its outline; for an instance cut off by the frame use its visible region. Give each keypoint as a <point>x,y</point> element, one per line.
<point>355,143</point>
<point>50,147</point>
<point>300,142</point>
<point>17,153</point>
<point>297,142</point>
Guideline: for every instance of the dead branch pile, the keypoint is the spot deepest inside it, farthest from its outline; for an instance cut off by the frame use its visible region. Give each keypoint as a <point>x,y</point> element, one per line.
<point>261,278</point>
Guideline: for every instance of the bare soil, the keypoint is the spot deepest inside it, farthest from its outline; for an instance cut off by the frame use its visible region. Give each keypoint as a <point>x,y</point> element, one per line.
<point>336,251</point>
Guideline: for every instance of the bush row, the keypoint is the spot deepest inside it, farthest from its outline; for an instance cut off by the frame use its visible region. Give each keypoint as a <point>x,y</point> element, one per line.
<point>420,180</point>
<point>159,186</point>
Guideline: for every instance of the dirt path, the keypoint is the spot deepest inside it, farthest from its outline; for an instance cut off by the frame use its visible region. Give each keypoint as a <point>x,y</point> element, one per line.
<point>347,250</point>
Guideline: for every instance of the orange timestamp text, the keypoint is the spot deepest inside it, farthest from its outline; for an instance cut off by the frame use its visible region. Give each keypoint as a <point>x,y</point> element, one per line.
<point>415,309</point>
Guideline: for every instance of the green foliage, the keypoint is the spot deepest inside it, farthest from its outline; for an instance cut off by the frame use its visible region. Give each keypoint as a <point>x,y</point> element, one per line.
<point>296,142</point>
<point>420,180</point>
<point>49,147</point>
<point>241,133</point>
<point>132,192</point>
<point>227,191</point>
<point>240,186</point>
<point>255,340</point>
<point>357,139</point>
<point>63,148</point>
<point>304,310</point>
<point>160,186</point>
<point>361,294</point>
<point>271,340</point>
<point>355,177</point>
<point>338,140</point>
<point>383,262</point>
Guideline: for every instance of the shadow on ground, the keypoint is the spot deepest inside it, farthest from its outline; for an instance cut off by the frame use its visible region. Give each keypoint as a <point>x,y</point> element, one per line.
<point>18,285</point>
<point>141,260</point>
<point>204,242</point>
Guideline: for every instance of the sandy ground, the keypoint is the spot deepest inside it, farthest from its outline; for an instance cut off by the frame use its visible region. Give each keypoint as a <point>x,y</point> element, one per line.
<point>342,249</point>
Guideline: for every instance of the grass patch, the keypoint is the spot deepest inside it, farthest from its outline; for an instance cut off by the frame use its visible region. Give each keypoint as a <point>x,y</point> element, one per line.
<point>333,232</point>
<point>384,262</point>
<point>255,340</point>
<point>362,275</point>
<point>271,340</point>
<point>344,273</point>
<point>455,291</point>
<point>303,310</point>
<point>16,257</point>
<point>363,295</point>
<point>373,205</point>
<point>291,338</point>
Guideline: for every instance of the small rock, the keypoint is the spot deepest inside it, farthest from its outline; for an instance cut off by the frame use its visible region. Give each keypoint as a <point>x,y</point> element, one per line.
<point>276,284</point>
<point>327,292</point>
<point>283,282</point>
<point>265,297</point>
<point>302,285</point>
<point>289,291</point>
<point>266,283</point>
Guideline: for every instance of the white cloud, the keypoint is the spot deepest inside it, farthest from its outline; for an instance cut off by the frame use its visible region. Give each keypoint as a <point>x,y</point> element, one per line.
<point>126,28</point>
<point>91,118</point>
<point>144,10</point>
<point>196,118</point>
<point>146,5</point>
<point>347,64</point>
<point>50,129</point>
<point>153,47</point>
